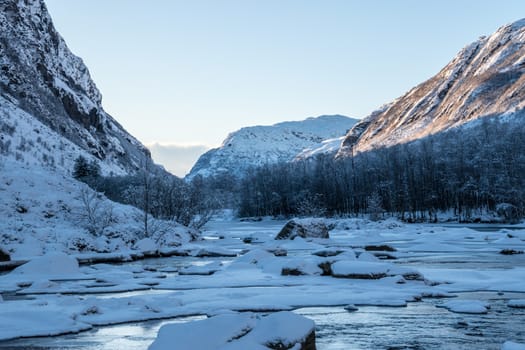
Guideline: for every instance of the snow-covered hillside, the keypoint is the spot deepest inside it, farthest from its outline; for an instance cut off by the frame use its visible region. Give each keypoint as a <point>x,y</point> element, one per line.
<point>41,79</point>
<point>259,145</point>
<point>485,79</point>
<point>50,114</point>
<point>43,210</point>
<point>30,142</point>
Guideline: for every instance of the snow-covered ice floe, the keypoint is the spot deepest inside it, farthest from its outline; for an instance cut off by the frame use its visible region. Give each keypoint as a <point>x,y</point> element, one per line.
<point>242,331</point>
<point>467,306</point>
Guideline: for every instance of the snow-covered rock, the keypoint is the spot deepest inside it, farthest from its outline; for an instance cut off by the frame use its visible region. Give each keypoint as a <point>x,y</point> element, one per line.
<point>259,145</point>
<point>301,266</point>
<point>359,269</point>
<point>281,330</point>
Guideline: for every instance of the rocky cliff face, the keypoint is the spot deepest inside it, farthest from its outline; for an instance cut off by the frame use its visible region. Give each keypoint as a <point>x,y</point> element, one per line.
<point>40,77</point>
<point>485,79</point>
<point>260,145</point>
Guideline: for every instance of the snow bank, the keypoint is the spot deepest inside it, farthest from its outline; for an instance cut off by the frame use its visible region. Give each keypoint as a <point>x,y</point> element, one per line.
<point>238,331</point>
<point>38,323</point>
<point>146,246</point>
<point>51,264</point>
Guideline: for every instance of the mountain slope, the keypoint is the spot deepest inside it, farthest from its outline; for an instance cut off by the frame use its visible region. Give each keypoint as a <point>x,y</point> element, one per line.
<point>51,113</point>
<point>484,79</point>
<point>41,78</point>
<point>259,145</point>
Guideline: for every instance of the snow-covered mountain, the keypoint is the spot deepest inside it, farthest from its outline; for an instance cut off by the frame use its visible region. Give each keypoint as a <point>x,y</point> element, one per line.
<point>50,108</point>
<point>259,145</point>
<point>485,79</point>
<point>50,113</point>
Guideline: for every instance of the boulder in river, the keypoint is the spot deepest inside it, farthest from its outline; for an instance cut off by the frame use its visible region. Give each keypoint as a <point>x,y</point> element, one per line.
<point>279,330</point>
<point>307,228</point>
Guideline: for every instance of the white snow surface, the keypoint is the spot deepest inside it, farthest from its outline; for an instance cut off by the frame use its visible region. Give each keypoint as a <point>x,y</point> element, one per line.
<point>510,345</point>
<point>36,145</point>
<point>327,147</point>
<point>53,264</point>
<point>467,306</point>
<point>360,268</point>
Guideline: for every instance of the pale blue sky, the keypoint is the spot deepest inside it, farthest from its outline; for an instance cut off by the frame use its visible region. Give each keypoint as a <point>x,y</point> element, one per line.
<point>189,72</point>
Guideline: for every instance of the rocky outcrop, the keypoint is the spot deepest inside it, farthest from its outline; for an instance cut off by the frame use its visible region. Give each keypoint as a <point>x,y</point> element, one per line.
<point>39,76</point>
<point>4,256</point>
<point>304,229</point>
<point>485,79</point>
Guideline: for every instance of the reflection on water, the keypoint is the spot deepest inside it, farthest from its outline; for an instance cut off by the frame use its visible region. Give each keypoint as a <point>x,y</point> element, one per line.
<point>462,260</point>
<point>133,336</point>
<point>418,326</point>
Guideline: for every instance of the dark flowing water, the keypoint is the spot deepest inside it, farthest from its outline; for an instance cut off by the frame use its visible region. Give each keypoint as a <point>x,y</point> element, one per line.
<point>419,326</point>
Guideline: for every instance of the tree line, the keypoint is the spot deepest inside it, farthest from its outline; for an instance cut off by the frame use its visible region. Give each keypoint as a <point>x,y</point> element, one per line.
<point>473,173</point>
<point>156,192</point>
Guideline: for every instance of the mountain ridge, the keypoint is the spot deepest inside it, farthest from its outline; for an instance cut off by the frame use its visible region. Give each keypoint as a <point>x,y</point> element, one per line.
<point>484,79</point>
<point>40,76</point>
<point>268,144</point>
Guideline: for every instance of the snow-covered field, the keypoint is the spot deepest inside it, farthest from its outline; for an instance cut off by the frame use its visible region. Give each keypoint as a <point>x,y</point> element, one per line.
<point>53,295</point>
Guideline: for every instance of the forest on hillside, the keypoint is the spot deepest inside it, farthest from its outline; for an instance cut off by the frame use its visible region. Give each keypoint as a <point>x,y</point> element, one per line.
<point>471,172</point>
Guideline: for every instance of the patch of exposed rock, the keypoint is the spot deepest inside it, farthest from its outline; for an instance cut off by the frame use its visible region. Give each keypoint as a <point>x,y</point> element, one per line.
<point>304,229</point>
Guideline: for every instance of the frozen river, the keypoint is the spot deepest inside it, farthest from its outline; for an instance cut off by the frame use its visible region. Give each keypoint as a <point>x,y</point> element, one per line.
<point>464,264</point>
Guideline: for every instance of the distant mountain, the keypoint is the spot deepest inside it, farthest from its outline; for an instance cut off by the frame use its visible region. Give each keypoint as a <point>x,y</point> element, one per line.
<point>485,79</point>
<point>50,108</point>
<point>259,145</point>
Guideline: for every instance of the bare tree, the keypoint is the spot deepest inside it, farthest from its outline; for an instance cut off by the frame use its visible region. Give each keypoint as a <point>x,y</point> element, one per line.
<point>96,212</point>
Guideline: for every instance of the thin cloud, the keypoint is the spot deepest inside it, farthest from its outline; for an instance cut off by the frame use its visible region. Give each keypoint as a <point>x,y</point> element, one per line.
<point>177,159</point>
